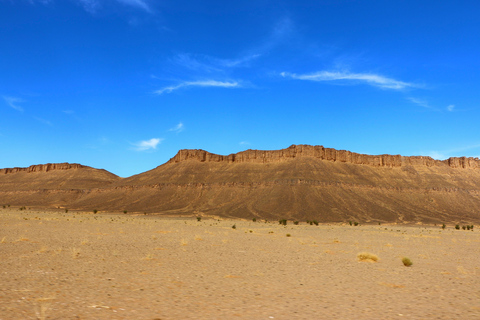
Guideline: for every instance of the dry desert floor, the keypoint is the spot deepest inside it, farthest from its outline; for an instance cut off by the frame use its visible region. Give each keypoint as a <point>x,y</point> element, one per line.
<point>79,265</point>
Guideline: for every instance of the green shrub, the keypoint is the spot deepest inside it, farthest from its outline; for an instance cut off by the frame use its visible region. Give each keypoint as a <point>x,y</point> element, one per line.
<point>350,222</point>
<point>468,227</point>
<point>457,227</point>
<point>463,227</point>
<point>295,223</point>
<point>95,211</point>
<point>443,226</point>
<point>407,262</point>
<point>234,226</point>
<point>66,210</point>
<point>199,218</point>
<point>125,211</point>
<point>254,219</point>
<point>315,222</point>
<point>355,223</point>
<point>289,235</point>
<point>283,221</point>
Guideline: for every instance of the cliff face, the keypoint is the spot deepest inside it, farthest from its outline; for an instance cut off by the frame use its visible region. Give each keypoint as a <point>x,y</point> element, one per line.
<point>319,152</point>
<point>299,182</point>
<point>44,168</point>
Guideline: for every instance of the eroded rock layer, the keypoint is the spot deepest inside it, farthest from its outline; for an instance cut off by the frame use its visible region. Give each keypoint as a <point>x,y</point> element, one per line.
<point>298,183</point>
<point>319,152</point>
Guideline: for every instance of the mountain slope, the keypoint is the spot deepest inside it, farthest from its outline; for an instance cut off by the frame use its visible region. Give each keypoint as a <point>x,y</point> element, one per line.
<point>300,183</point>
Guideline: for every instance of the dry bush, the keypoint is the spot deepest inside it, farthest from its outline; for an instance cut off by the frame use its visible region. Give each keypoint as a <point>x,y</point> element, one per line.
<point>367,257</point>
<point>407,262</point>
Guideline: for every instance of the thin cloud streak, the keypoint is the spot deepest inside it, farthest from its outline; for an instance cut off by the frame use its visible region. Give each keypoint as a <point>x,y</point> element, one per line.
<point>137,3</point>
<point>420,102</point>
<point>369,78</point>
<point>178,128</point>
<point>148,144</point>
<point>445,154</point>
<point>13,102</point>
<point>206,83</point>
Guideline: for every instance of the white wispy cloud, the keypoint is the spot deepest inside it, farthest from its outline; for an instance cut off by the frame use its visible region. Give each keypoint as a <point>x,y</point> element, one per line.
<point>368,78</point>
<point>451,107</point>
<point>147,144</point>
<point>90,6</point>
<point>141,4</point>
<point>178,128</point>
<point>453,152</point>
<point>420,102</point>
<point>14,102</point>
<point>244,143</point>
<point>48,123</point>
<point>204,83</point>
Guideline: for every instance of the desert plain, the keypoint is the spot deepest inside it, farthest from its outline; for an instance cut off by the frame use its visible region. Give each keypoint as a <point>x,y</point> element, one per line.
<point>80,265</point>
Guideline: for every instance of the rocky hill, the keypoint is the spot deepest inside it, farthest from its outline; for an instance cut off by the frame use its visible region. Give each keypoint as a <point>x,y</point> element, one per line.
<point>300,183</point>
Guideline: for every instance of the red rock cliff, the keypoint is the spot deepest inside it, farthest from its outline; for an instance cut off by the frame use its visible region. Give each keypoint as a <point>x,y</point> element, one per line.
<point>44,167</point>
<point>299,151</point>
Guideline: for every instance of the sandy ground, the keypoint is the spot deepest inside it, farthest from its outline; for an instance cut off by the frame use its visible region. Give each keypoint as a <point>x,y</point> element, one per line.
<point>56,265</point>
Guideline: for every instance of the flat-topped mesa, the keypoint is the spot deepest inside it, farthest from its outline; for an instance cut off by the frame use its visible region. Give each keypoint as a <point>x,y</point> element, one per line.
<point>320,152</point>
<point>44,167</point>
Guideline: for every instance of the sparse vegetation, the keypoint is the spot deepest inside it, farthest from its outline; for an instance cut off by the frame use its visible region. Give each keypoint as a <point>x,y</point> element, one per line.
<point>254,219</point>
<point>295,223</point>
<point>125,211</point>
<point>457,227</point>
<point>368,257</point>
<point>66,210</point>
<point>350,222</point>
<point>443,226</point>
<point>95,211</point>
<point>234,226</point>
<point>315,222</point>
<point>355,223</point>
<point>199,219</point>
<point>283,221</point>
<point>407,262</point>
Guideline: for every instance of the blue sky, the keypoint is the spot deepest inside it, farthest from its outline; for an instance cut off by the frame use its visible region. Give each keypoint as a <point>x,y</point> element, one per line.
<point>124,84</point>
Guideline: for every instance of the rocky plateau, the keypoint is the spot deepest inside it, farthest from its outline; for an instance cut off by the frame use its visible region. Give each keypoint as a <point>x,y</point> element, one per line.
<point>301,182</point>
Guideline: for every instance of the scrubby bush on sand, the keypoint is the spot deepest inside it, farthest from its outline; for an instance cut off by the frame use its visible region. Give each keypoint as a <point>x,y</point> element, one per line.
<point>368,257</point>
<point>407,262</point>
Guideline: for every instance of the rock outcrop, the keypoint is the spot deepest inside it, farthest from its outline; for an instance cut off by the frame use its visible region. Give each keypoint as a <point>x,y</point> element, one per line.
<point>322,153</point>
<point>301,182</point>
<point>44,167</point>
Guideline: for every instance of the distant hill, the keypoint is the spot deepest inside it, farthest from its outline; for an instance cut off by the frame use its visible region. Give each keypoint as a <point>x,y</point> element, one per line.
<point>300,183</point>
<point>50,185</point>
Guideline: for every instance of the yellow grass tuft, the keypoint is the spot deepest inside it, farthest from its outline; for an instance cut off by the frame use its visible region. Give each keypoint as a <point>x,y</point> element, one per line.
<point>75,253</point>
<point>367,257</point>
<point>42,306</point>
<point>407,262</point>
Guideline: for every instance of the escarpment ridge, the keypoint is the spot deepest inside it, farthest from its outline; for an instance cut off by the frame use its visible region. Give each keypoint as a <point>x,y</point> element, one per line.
<point>301,182</point>
<point>44,167</point>
<point>322,153</point>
